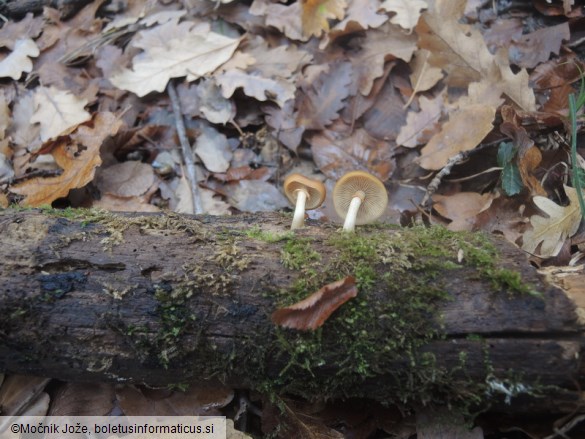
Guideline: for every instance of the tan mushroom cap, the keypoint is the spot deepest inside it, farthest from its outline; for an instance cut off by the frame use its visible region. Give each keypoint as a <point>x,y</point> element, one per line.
<point>314,188</point>
<point>368,188</point>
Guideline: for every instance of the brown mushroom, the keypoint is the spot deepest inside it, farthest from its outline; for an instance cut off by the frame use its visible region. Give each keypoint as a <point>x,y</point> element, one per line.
<point>305,194</point>
<point>360,198</point>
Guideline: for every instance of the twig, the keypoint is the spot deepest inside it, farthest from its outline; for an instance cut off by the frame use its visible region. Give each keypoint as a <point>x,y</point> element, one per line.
<point>191,171</point>
<point>455,160</point>
<point>436,181</point>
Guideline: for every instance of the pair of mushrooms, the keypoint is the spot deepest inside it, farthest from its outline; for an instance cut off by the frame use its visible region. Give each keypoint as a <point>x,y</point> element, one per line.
<point>358,197</point>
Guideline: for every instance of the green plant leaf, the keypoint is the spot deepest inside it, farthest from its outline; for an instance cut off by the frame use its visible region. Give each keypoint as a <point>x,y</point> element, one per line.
<point>506,153</point>
<point>577,180</point>
<point>511,180</point>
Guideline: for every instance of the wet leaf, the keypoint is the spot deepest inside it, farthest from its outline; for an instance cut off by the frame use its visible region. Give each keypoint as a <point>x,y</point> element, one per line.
<point>313,312</point>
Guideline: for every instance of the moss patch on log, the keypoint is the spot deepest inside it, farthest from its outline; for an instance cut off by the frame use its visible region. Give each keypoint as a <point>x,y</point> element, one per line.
<point>376,335</point>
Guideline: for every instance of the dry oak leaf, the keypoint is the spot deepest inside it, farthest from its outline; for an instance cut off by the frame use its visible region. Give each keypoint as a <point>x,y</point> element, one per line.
<point>536,47</point>
<point>423,76</point>
<point>128,179</point>
<point>361,15</point>
<point>462,208</point>
<point>379,46</point>
<point>323,99</point>
<point>407,12</point>
<point>193,56</point>
<point>461,51</point>
<point>315,15</point>
<point>336,156</point>
<point>464,131</point>
<point>58,112</point>
<point>285,18</point>
<point>280,61</point>
<point>78,160</point>
<point>312,312</point>
<point>421,126</point>
<point>18,61</point>
<point>550,233</point>
<point>256,86</point>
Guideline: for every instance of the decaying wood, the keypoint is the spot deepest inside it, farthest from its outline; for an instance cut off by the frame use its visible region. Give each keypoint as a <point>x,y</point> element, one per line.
<point>19,8</point>
<point>86,299</point>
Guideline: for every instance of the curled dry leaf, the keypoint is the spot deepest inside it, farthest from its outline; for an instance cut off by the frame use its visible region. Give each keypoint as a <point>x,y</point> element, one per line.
<point>312,312</point>
<point>77,157</point>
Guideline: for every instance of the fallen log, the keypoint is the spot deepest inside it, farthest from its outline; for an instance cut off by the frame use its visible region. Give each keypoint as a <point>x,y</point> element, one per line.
<point>163,299</point>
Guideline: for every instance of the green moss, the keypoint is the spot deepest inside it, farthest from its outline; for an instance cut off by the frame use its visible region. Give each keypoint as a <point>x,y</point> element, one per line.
<point>297,254</point>
<point>271,237</point>
<point>175,318</point>
<point>399,307</point>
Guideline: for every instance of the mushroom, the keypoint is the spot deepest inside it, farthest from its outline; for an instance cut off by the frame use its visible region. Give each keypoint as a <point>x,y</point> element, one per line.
<point>360,198</point>
<point>305,194</point>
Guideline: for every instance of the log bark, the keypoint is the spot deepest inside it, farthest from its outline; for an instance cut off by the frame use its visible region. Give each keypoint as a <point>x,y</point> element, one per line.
<point>18,9</point>
<point>166,299</point>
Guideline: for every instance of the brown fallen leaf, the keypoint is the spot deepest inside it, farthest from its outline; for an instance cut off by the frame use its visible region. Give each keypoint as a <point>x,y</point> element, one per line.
<point>462,53</point>
<point>456,136</point>
<point>335,156</point>
<point>536,47</point>
<point>323,99</point>
<point>77,158</point>
<point>462,208</point>
<point>316,13</point>
<point>58,112</point>
<point>127,179</point>
<point>312,312</point>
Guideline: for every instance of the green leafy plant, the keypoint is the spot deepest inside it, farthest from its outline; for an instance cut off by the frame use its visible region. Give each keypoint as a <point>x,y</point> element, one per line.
<point>511,180</point>
<point>575,104</point>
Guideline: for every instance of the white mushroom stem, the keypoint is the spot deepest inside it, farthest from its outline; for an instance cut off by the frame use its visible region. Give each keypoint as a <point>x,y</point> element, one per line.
<point>299,216</point>
<point>354,206</point>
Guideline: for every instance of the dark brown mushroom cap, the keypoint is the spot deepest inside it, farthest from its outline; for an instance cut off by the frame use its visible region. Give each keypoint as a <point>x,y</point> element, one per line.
<point>368,188</point>
<point>314,189</point>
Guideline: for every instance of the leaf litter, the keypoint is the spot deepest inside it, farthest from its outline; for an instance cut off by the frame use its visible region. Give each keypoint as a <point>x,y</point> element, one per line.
<point>444,99</point>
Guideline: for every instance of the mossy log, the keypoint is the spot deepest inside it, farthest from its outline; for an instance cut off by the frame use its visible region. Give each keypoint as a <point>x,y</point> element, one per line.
<point>440,317</point>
